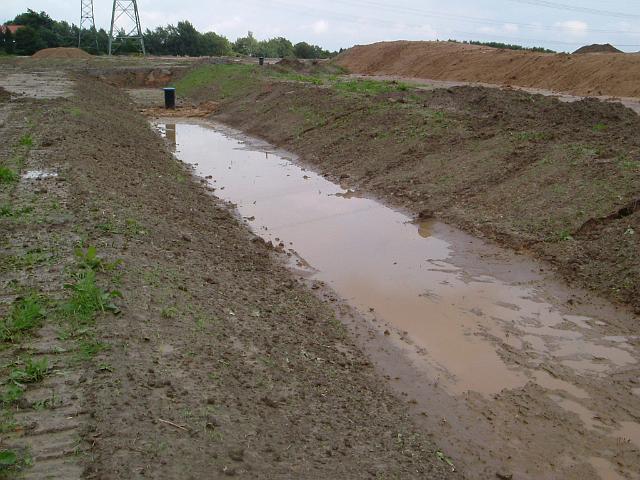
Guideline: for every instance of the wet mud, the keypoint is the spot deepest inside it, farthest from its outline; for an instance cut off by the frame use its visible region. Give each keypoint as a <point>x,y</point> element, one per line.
<point>517,373</point>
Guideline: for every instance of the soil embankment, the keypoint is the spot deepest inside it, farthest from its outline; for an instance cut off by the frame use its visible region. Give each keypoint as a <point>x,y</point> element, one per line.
<point>591,75</point>
<point>559,180</point>
<point>598,48</point>
<point>218,363</point>
<point>61,52</point>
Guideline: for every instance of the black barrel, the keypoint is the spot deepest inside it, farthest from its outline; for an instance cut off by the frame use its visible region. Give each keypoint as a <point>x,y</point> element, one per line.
<point>261,60</point>
<point>170,98</point>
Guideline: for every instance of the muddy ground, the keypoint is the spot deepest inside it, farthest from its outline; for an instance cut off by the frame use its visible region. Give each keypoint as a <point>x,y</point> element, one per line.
<point>557,180</point>
<point>220,362</point>
<point>163,340</point>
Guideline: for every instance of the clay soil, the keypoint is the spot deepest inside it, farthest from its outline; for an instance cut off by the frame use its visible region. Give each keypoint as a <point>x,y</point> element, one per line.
<point>594,75</point>
<point>61,52</point>
<point>199,355</point>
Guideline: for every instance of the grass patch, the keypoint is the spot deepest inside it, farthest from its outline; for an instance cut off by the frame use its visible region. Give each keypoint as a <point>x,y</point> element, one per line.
<point>28,260</point>
<point>7,211</point>
<point>33,371</point>
<point>627,163</point>
<point>75,112</point>
<point>228,80</point>
<point>25,315</point>
<point>530,136</point>
<point>7,175</point>
<point>86,300</point>
<point>370,87</point>
<point>298,77</point>
<point>89,348</point>
<point>26,140</point>
<point>11,462</point>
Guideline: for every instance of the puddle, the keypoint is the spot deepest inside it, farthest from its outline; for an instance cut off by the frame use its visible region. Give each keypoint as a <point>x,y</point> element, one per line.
<point>463,323</point>
<point>39,175</point>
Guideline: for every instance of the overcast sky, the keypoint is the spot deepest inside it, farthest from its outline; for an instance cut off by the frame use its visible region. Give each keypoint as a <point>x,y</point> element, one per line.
<point>561,25</point>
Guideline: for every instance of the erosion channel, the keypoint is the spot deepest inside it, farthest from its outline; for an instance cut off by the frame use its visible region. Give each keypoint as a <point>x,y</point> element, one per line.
<point>516,374</point>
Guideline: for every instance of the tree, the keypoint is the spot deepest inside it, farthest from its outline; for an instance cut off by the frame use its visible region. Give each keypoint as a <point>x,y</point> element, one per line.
<point>28,41</point>
<point>188,39</point>
<point>41,31</point>
<point>215,45</point>
<point>246,45</point>
<point>34,20</point>
<point>9,42</point>
<point>304,50</point>
<point>156,41</point>
<point>275,48</point>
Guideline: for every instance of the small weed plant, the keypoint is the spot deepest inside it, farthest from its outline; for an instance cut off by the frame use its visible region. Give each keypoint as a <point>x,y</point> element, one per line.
<point>25,315</point>
<point>26,140</point>
<point>87,299</point>
<point>32,372</point>
<point>7,175</point>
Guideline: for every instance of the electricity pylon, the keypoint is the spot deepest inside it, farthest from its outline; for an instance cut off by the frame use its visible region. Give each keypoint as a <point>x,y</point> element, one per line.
<point>87,18</point>
<point>125,23</point>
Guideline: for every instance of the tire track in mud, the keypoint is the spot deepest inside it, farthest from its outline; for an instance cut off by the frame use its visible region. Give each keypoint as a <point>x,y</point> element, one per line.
<point>44,423</point>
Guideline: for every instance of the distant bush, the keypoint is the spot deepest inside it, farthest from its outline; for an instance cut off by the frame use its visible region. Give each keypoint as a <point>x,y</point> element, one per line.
<point>504,46</point>
<point>41,31</point>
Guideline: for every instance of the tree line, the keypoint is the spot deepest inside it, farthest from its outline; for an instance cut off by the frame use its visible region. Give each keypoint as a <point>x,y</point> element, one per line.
<point>40,31</point>
<point>504,46</point>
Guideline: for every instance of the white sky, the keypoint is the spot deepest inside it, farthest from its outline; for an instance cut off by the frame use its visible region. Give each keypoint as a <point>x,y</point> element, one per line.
<point>562,25</point>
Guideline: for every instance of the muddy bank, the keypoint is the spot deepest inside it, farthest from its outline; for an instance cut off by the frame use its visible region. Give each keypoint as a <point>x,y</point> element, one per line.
<point>485,330</point>
<point>470,333</point>
<point>218,362</point>
<point>557,180</point>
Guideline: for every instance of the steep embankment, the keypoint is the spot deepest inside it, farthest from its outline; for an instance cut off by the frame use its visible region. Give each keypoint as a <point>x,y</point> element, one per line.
<point>561,180</point>
<point>587,74</point>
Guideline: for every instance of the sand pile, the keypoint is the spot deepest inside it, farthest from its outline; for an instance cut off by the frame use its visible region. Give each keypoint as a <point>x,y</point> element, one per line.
<point>605,74</point>
<point>598,48</point>
<point>61,52</point>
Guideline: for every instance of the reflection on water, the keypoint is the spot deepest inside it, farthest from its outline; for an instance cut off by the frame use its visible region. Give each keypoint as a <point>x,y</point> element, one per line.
<point>377,259</point>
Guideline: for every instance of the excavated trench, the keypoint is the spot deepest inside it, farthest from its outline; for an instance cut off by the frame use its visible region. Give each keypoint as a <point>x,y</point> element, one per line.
<point>514,372</point>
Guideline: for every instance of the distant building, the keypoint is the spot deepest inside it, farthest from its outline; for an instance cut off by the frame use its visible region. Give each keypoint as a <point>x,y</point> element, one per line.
<point>12,28</point>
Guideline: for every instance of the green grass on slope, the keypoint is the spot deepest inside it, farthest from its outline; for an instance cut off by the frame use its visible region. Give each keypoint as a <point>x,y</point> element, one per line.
<point>228,80</point>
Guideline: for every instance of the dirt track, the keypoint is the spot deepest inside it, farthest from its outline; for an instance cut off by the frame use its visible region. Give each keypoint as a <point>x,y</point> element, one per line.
<point>585,74</point>
<point>219,363</point>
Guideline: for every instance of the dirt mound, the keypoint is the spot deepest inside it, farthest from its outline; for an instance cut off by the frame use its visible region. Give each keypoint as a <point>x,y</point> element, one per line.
<point>603,74</point>
<point>61,52</point>
<point>598,48</point>
<point>292,63</point>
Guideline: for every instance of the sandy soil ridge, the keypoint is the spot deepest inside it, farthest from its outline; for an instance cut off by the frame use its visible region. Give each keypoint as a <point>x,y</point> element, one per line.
<point>586,74</point>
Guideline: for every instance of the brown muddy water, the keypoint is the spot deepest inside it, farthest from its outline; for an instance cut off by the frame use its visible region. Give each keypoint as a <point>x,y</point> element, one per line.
<point>520,375</point>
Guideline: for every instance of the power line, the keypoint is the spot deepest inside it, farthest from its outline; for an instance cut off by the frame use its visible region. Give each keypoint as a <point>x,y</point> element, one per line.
<point>573,8</point>
<point>309,12</point>
<point>469,19</point>
<point>87,18</point>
